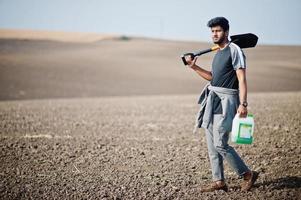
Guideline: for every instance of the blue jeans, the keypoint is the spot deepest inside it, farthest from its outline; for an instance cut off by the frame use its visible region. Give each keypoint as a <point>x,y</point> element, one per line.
<point>219,149</point>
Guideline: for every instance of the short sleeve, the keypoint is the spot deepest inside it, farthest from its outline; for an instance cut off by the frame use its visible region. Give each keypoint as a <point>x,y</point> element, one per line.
<point>238,57</point>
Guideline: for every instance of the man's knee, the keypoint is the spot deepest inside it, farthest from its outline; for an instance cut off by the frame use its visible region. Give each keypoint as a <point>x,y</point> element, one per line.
<point>222,148</point>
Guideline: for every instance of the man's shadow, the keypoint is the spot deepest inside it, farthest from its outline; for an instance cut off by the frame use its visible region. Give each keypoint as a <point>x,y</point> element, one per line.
<point>281,183</point>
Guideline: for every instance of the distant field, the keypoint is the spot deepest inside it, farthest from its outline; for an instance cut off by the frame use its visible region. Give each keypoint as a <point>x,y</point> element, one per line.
<point>120,66</point>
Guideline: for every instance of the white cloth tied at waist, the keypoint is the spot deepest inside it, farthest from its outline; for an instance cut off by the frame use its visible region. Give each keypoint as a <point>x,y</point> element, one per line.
<point>208,94</point>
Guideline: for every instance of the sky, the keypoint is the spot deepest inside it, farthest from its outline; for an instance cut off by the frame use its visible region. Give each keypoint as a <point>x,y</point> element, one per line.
<point>273,21</point>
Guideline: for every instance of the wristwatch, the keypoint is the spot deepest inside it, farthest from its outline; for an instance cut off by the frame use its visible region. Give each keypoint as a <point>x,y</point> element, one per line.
<point>244,104</point>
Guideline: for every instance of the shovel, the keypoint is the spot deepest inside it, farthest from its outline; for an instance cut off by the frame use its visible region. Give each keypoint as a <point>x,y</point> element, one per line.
<point>246,40</point>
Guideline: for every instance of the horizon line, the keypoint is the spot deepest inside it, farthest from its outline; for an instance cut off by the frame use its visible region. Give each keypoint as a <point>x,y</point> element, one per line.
<point>79,35</point>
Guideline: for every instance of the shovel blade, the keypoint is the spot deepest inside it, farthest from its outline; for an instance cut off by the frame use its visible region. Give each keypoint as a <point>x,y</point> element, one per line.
<point>246,40</point>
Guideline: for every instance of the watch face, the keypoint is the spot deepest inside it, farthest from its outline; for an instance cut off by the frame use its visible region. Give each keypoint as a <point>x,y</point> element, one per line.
<point>245,104</point>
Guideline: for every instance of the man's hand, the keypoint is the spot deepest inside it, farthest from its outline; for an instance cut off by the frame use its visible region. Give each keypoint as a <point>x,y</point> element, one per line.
<point>200,71</point>
<point>191,62</point>
<point>242,111</point>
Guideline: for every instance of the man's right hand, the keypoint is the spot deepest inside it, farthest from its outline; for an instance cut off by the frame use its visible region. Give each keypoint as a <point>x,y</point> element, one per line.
<point>191,62</point>
<point>200,71</point>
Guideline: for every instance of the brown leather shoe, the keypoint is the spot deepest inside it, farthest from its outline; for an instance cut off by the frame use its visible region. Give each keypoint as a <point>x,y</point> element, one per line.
<point>249,182</point>
<point>214,186</point>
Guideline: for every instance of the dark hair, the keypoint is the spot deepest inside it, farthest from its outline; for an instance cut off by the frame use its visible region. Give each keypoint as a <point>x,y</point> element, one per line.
<point>219,21</point>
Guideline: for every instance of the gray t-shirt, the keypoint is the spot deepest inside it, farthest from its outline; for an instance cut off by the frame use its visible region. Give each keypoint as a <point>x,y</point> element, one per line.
<point>225,63</point>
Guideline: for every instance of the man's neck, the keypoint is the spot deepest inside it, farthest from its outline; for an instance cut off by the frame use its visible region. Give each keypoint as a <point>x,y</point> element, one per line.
<point>223,44</point>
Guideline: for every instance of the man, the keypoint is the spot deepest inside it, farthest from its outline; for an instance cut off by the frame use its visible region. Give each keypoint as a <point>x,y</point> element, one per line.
<point>223,100</point>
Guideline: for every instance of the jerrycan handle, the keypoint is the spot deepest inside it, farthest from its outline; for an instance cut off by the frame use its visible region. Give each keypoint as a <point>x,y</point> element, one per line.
<point>249,115</point>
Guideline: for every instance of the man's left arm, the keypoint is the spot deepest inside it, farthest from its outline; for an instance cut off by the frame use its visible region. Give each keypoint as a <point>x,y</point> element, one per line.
<point>241,76</point>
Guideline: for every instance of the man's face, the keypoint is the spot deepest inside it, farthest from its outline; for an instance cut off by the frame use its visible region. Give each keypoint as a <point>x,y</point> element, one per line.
<point>218,34</point>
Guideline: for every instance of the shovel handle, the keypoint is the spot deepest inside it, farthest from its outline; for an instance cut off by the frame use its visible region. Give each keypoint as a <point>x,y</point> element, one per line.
<point>192,55</point>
